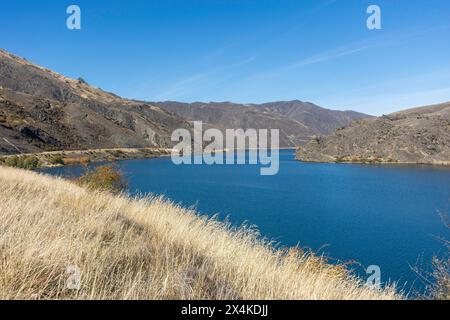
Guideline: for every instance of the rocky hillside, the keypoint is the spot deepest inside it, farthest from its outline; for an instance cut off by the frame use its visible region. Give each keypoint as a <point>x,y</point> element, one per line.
<point>319,120</point>
<point>41,110</point>
<point>297,121</point>
<point>420,135</point>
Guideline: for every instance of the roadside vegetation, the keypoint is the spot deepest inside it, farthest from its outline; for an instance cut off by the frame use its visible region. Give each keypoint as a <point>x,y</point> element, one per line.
<point>149,248</point>
<point>79,157</point>
<point>23,162</point>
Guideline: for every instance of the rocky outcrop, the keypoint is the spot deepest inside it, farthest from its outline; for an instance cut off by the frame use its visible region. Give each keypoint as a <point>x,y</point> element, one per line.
<point>420,135</point>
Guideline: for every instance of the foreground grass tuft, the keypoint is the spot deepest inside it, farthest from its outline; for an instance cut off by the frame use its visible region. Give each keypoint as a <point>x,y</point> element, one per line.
<point>147,248</point>
<point>441,275</point>
<point>440,289</point>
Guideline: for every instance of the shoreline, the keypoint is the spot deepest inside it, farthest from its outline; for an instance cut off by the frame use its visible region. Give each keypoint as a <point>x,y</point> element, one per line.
<point>383,163</point>
<point>60,158</point>
<point>371,160</point>
<point>50,159</point>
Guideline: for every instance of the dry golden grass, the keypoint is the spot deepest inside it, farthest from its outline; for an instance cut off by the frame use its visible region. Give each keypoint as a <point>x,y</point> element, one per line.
<point>144,249</point>
<point>76,160</point>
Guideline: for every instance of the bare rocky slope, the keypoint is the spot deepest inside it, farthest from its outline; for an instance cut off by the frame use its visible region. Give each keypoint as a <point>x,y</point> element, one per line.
<point>419,135</point>
<point>297,121</point>
<point>41,110</point>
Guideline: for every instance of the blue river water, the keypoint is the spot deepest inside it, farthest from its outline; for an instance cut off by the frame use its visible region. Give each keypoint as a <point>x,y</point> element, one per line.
<point>385,215</point>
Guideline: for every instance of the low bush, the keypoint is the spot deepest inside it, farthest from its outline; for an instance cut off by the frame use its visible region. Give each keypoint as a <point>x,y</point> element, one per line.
<point>105,178</point>
<point>25,162</point>
<point>76,160</point>
<point>57,160</point>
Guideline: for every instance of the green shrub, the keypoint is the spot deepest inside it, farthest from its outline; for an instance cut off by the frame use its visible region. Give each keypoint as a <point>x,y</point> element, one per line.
<point>105,178</point>
<point>57,160</point>
<point>25,162</point>
<point>30,163</point>
<point>12,161</point>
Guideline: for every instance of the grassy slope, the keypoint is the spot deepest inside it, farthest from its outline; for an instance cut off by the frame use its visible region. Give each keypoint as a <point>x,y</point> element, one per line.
<point>143,249</point>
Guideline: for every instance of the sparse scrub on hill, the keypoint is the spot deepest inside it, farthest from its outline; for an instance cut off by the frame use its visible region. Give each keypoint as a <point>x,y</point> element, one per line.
<point>146,248</point>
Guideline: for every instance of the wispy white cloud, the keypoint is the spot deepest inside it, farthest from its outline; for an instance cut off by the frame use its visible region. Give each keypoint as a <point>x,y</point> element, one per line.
<point>354,48</point>
<point>181,87</point>
<point>200,81</point>
<point>389,102</point>
<point>330,55</point>
<point>384,97</point>
<point>210,76</point>
<point>389,40</point>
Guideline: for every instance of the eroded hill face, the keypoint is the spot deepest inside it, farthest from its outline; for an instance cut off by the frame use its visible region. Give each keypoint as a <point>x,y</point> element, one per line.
<point>297,121</point>
<point>42,110</point>
<point>420,135</point>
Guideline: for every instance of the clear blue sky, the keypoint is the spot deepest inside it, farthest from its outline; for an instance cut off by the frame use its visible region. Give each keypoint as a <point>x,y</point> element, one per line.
<point>244,50</point>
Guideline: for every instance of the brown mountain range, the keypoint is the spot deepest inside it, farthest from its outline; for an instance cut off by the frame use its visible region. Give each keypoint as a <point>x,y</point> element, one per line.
<point>41,110</point>
<point>297,121</point>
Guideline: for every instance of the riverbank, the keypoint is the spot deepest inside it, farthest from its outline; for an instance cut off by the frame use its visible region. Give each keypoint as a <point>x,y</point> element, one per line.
<point>60,158</point>
<point>361,160</point>
<point>124,248</point>
<point>77,157</point>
